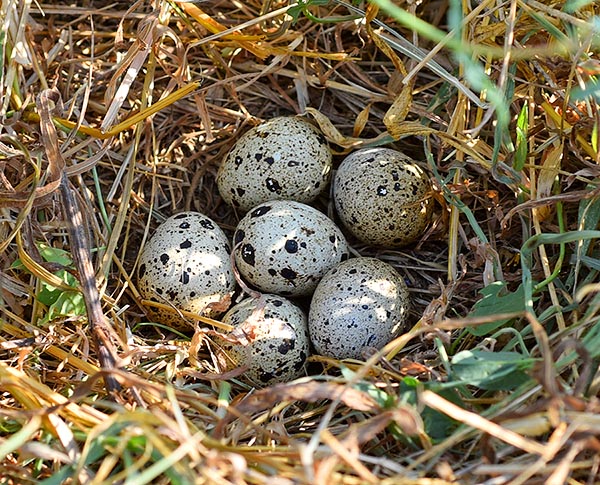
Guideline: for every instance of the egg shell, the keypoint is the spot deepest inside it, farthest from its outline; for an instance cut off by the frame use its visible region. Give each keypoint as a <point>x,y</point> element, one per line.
<point>360,304</point>
<point>278,335</point>
<point>283,158</point>
<point>285,247</point>
<point>187,264</point>
<point>381,197</point>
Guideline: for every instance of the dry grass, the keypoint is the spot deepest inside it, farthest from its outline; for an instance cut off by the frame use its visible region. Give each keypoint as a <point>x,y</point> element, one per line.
<point>517,204</point>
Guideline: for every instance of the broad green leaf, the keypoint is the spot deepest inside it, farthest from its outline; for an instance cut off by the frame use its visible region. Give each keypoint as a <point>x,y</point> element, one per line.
<point>493,371</point>
<point>68,304</point>
<point>61,303</point>
<point>382,398</point>
<point>50,255</point>
<point>55,255</point>
<point>496,300</point>
<point>438,426</point>
<point>48,294</point>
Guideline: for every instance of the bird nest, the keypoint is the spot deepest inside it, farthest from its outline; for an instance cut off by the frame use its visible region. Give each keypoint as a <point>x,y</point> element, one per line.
<point>117,115</point>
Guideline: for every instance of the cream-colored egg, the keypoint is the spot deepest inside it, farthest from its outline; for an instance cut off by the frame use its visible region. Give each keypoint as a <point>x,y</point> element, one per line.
<point>359,305</point>
<point>382,197</point>
<point>285,247</point>
<point>277,335</point>
<point>283,158</point>
<point>186,264</point>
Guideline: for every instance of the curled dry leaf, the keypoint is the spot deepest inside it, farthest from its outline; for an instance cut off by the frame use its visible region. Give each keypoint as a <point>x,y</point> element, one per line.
<point>220,306</point>
<point>333,135</point>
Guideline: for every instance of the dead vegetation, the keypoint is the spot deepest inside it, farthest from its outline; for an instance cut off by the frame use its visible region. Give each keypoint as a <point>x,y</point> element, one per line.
<point>116,115</point>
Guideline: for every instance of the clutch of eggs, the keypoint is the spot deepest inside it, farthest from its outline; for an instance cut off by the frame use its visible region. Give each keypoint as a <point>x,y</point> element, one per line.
<point>286,249</point>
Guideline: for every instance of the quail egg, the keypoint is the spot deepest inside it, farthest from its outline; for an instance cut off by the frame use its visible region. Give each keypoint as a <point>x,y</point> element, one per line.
<point>360,304</point>
<point>187,264</point>
<point>285,247</point>
<point>283,158</point>
<point>277,334</point>
<point>381,197</point>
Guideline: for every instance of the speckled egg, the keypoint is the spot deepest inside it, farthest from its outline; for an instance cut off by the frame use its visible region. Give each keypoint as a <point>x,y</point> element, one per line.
<point>283,158</point>
<point>381,197</point>
<point>285,247</point>
<point>360,304</point>
<point>277,334</point>
<point>187,264</point>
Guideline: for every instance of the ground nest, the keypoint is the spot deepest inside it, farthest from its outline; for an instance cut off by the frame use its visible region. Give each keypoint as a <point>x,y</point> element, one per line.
<point>117,115</point>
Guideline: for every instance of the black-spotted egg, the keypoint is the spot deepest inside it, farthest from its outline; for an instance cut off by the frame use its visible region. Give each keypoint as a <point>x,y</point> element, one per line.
<point>382,197</point>
<point>276,340</point>
<point>359,305</point>
<point>283,158</point>
<point>285,247</point>
<point>186,264</point>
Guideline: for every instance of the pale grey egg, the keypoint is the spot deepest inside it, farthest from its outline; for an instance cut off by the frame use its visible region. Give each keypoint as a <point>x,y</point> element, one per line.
<point>360,304</point>
<point>283,158</point>
<point>382,197</point>
<point>277,339</point>
<point>186,264</point>
<point>285,247</point>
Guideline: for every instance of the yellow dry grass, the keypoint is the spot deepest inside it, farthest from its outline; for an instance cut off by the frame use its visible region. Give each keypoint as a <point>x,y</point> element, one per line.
<point>136,104</point>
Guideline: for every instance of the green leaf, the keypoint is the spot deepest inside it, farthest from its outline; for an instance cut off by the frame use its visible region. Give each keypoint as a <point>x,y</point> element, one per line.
<point>496,300</point>
<point>591,339</point>
<point>50,255</point>
<point>522,129</point>
<point>438,426</point>
<point>67,304</point>
<point>60,303</point>
<point>572,6</point>
<point>592,263</point>
<point>55,255</point>
<point>591,89</point>
<point>492,371</point>
<point>382,398</point>
<point>61,476</point>
<point>48,294</point>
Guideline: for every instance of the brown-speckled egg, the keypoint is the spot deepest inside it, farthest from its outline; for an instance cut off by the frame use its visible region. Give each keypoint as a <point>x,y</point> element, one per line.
<point>283,158</point>
<point>277,335</point>
<point>360,304</point>
<point>186,264</point>
<point>285,247</point>
<point>382,197</point>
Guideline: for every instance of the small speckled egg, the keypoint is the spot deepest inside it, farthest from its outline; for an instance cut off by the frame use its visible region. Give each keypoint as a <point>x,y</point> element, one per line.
<point>278,339</point>
<point>186,263</point>
<point>283,158</point>
<point>360,304</point>
<point>285,247</point>
<point>381,197</point>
